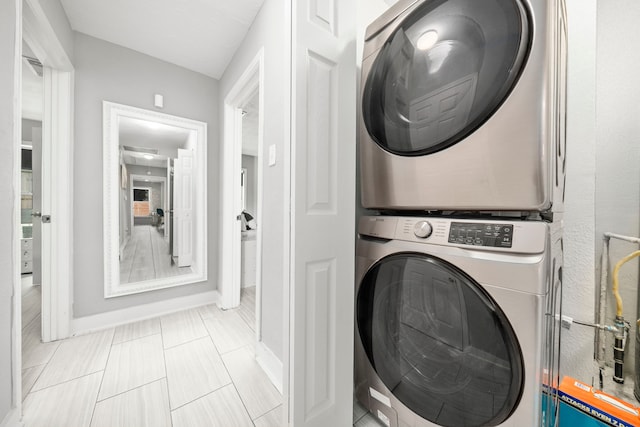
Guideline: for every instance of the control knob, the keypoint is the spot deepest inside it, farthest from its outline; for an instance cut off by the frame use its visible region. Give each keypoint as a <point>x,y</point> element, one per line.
<point>422,229</point>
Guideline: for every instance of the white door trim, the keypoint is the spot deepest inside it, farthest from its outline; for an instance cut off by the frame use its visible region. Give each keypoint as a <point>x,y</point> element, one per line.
<point>230,279</point>
<point>57,133</point>
<point>15,412</point>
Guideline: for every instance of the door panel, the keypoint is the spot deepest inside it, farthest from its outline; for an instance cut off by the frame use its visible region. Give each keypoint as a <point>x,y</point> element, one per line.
<point>36,165</point>
<point>322,230</point>
<point>185,223</point>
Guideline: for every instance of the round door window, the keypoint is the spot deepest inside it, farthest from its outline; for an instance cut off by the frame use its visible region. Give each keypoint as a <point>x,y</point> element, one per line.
<point>443,72</point>
<point>439,342</point>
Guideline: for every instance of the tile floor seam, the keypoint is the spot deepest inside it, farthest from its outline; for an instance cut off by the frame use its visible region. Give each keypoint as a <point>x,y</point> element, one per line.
<point>50,357</point>
<point>166,373</point>
<point>93,410</point>
<point>102,378</point>
<point>137,338</point>
<point>244,405</point>
<point>202,397</point>
<point>236,388</point>
<point>67,381</point>
<point>131,389</point>
<point>226,368</point>
<point>35,381</point>
<point>186,342</point>
<point>30,322</point>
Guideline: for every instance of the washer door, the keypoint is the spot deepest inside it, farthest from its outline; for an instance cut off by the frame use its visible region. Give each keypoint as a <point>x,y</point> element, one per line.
<point>443,72</point>
<point>439,342</point>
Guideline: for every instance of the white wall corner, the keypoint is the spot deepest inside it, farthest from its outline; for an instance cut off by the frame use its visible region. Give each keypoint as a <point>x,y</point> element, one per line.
<point>270,364</point>
<point>12,419</point>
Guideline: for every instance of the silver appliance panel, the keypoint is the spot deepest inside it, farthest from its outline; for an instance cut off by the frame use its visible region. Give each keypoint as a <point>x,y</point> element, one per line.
<point>501,274</point>
<point>515,160</point>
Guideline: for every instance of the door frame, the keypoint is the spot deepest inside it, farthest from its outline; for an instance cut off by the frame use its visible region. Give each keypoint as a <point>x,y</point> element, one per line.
<point>252,79</point>
<point>57,171</point>
<point>151,180</point>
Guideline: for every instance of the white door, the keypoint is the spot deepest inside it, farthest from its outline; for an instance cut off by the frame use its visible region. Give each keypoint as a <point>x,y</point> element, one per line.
<point>323,172</point>
<point>184,203</point>
<point>36,213</point>
<point>175,248</point>
<point>167,201</point>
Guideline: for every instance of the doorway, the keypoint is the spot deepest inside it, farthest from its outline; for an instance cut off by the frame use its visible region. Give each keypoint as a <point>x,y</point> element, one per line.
<point>30,227</point>
<point>42,46</point>
<point>243,147</point>
<point>244,105</point>
<point>250,182</point>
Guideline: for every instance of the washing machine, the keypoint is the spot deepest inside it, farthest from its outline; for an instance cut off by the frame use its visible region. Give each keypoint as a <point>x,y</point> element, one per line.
<point>463,106</point>
<point>457,321</point>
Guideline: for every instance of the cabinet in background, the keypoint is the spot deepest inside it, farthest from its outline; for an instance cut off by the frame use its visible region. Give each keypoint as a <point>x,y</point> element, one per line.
<point>26,256</point>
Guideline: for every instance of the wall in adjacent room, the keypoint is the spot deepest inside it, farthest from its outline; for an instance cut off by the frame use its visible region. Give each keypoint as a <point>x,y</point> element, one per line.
<point>268,31</point>
<point>580,218</point>
<point>617,171</point>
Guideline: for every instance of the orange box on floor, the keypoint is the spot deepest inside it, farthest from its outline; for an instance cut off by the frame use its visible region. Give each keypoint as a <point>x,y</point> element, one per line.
<point>597,404</point>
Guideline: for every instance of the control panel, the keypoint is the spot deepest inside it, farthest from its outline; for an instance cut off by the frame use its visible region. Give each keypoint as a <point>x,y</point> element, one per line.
<point>503,235</point>
<point>478,234</point>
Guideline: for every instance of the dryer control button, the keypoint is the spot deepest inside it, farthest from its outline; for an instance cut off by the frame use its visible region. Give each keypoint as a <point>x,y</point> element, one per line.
<point>422,229</point>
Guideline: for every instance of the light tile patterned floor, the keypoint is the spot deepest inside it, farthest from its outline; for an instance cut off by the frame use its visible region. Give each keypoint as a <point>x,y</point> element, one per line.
<point>189,369</point>
<point>172,371</point>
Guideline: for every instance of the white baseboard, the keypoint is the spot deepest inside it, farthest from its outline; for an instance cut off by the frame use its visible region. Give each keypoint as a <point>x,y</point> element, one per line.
<point>270,364</point>
<point>12,419</point>
<point>110,319</point>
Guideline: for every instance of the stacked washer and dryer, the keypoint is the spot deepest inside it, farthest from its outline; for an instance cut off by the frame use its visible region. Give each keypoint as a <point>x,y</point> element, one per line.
<point>459,264</point>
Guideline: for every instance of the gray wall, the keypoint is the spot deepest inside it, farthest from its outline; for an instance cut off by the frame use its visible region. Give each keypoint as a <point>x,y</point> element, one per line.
<point>269,31</point>
<point>8,225</point>
<point>105,71</point>
<point>580,218</point>
<point>27,127</point>
<point>618,151</point>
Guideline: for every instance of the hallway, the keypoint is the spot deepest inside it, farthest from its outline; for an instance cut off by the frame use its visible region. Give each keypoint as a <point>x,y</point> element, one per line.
<point>146,257</point>
<point>191,368</point>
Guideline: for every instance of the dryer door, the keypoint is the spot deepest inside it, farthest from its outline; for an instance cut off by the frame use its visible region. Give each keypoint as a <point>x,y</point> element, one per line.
<point>439,342</point>
<point>443,72</point>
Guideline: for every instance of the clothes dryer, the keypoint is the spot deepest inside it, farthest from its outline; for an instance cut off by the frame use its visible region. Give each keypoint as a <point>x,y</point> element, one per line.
<point>457,321</point>
<point>463,106</point>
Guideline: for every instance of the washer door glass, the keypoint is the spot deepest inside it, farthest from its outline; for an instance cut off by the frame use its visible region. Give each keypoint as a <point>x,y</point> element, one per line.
<point>443,72</point>
<point>439,342</point>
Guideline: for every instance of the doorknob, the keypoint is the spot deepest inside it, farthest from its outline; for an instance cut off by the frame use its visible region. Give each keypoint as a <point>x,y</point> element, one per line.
<point>46,219</point>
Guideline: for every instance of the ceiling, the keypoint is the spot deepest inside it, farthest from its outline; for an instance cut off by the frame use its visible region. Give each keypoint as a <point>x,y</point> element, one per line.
<point>148,143</point>
<point>200,35</point>
<point>250,116</point>
<point>32,95</point>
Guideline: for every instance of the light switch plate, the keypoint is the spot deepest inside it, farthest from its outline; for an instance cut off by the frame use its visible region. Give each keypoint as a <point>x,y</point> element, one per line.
<point>272,155</point>
<point>158,100</point>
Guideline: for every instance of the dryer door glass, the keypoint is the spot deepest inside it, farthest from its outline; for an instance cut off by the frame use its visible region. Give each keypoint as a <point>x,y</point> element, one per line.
<point>443,72</point>
<point>439,342</point>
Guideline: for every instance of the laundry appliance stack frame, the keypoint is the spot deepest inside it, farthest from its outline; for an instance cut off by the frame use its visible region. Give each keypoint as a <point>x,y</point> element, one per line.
<point>462,138</point>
